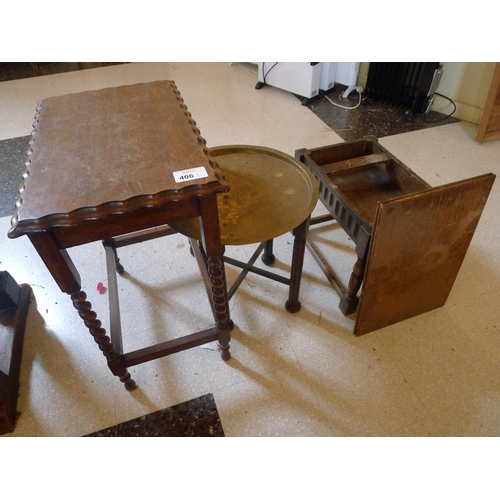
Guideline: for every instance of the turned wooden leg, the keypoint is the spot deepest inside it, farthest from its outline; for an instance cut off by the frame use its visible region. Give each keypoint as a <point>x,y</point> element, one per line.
<point>299,247</point>
<point>268,256</point>
<point>84,308</point>
<point>210,232</point>
<point>349,301</point>
<point>217,278</point>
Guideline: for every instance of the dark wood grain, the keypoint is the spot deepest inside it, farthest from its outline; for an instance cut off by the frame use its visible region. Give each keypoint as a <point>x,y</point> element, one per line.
<point>410,239</point>
<point>418,245</point>
<point>102,164</point>
<point>111,151</point>
<point>14,320</point>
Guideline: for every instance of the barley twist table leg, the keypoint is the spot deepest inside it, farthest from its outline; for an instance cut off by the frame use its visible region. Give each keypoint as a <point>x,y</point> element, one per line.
<point>84,308</point>
<point>220,304</point>
<point>214,251</point>
<point>64,272</point>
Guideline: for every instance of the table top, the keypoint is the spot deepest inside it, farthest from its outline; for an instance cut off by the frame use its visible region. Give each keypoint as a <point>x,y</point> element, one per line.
<point>115,150</point>
<point>271,194</point>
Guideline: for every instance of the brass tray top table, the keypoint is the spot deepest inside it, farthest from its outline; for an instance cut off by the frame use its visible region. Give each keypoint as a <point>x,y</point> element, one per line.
<point>115,161</point>
<point>271,194</point>
<point>410,238</point>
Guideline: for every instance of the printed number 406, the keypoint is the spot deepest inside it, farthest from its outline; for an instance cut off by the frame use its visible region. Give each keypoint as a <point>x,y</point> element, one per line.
<point>186,177</point>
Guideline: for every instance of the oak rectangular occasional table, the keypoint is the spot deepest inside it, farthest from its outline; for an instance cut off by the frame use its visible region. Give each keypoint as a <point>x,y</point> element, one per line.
<point>112,162</point>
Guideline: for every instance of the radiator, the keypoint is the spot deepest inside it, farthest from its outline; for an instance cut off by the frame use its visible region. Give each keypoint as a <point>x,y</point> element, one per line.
<point>410,85</point>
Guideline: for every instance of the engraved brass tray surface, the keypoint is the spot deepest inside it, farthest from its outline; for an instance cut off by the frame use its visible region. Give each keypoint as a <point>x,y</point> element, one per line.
<point>270,194</point>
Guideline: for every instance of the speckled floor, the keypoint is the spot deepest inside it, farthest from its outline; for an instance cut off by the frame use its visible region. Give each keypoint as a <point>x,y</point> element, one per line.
<point>290,375</point>
<point>371,117</point>
<point>12,158</point>
<point>195,418</point>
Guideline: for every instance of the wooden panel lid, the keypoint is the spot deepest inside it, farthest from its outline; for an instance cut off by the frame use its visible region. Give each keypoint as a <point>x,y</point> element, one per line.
<point>418,245</point>
<point>109,151</point>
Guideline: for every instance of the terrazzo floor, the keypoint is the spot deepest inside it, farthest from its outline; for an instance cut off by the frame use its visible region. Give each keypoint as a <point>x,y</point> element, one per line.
<point>290,375</point>
<point>371,117</point>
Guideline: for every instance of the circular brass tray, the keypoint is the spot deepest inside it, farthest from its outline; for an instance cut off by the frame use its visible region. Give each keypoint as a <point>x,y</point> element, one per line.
<point>270,194</point>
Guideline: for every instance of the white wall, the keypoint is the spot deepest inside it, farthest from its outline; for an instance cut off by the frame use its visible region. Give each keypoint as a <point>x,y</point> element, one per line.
<point>467,84</point>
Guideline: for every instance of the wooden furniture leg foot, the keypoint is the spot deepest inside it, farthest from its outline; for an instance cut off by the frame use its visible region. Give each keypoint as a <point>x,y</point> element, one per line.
<point>268,256</point>
<point>119,268</point>
<point>84,308</point>
<point>223,340</point>
<point>127,380</point>
<point>225,354</point>
<point>349,302</point>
